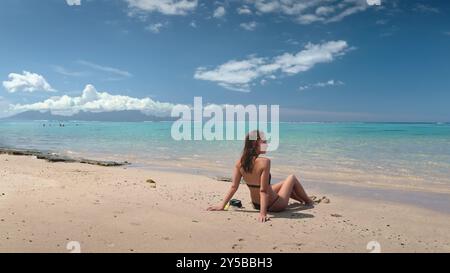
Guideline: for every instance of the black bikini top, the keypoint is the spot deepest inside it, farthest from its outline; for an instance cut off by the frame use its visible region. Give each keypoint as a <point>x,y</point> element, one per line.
<point>259,186</point>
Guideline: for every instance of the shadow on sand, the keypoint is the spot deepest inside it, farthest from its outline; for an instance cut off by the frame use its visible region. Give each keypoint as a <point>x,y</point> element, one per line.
<point>293,211</point>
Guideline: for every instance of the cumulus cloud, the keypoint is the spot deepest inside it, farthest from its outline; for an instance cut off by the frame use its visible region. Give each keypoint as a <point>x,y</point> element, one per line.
<point>167,7</point>
<point>244,10</point>
<point>73,2</point>
<point>311,11</point>
<point>321,84</point>
<point>93,101</point>
<point>219,12</point>
<point>26,82</point>
<point>250,26</point>
<point>240,75</point>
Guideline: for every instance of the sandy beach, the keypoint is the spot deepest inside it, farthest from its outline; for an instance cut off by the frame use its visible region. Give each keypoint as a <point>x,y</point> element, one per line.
<point>43,206</point>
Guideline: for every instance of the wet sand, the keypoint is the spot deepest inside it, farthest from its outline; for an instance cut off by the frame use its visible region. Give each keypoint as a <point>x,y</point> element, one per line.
<point>44,206</point>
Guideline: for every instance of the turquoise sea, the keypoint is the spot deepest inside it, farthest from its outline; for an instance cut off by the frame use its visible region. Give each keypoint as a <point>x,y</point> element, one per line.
<point>413,156</point>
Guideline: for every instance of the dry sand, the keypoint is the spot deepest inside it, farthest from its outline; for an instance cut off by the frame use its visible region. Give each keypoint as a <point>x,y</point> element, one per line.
<point>43,206</point>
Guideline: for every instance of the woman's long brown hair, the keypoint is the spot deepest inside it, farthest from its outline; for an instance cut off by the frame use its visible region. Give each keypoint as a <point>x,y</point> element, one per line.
<point>250,150</point>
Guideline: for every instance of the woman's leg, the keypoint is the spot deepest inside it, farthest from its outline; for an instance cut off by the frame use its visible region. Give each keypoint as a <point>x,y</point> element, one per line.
<point>296,197</point>
<point>284,194</point>
<point>300,192</point>
<point>276,187</point>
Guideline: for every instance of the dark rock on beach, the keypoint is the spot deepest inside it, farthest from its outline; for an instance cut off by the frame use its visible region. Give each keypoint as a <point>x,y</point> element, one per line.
<point>152,183</point>
<point>52,157</point>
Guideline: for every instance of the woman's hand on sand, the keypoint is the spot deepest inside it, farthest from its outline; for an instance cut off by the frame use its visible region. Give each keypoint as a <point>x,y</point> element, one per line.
<point>215,208</point>
<point>263,218</point>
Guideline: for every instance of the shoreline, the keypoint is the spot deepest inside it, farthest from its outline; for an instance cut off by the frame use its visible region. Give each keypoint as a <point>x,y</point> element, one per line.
<point>46,205</point>
<point>436,201</point>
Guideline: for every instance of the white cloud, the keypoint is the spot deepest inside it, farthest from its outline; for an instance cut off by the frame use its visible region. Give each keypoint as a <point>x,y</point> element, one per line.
<point>321,84</point>
<point>167,7</point>
<point>250,26</point>
<point>244,10</point>
<point>73,2</point>
<point>234,75</point>
<point>358,6</point>
<point>307,19</point>
<point>107,69</point>
<point>323,11</point>
<point>219,12</point>
<point>240,75</point>
<point>26,82</point>
<point>155,28</point>
<point>374,2</point>
<point>93,101</point>
<point>311,11</point>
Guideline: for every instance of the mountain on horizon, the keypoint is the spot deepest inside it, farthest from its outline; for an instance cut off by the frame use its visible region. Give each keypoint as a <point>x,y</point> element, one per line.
<point>116,116</point>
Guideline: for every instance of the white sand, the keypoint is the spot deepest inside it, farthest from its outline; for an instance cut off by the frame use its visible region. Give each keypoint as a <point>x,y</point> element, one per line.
<point>46,205</point>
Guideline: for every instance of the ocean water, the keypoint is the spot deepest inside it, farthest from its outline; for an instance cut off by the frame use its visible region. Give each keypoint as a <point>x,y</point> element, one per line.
<point>412,156</point>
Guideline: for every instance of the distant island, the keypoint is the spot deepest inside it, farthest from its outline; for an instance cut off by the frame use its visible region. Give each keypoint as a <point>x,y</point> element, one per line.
<point>116,116</point>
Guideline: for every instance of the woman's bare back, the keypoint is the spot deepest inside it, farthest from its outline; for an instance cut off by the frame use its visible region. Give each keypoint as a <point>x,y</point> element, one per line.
<point>253,179</point>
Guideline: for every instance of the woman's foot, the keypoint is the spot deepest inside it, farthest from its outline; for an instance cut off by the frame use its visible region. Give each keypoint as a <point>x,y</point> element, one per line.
<point>309,203</point>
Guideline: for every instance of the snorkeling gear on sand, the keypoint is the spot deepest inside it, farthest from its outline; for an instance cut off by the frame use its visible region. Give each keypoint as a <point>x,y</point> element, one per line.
<point>236,203</point>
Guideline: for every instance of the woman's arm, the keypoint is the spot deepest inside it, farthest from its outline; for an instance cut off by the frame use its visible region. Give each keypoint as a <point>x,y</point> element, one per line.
<point>263,192</point>
<point>236,180</point>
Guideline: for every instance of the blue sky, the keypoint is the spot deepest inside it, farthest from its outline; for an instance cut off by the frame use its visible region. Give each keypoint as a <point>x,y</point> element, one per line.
<point>318,59</point>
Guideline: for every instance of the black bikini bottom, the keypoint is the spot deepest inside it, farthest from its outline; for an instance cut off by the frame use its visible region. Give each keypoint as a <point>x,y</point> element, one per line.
<point>258,206</point>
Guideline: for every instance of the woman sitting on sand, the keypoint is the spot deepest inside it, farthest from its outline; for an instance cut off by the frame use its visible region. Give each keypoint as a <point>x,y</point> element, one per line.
<point>256,173</point>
